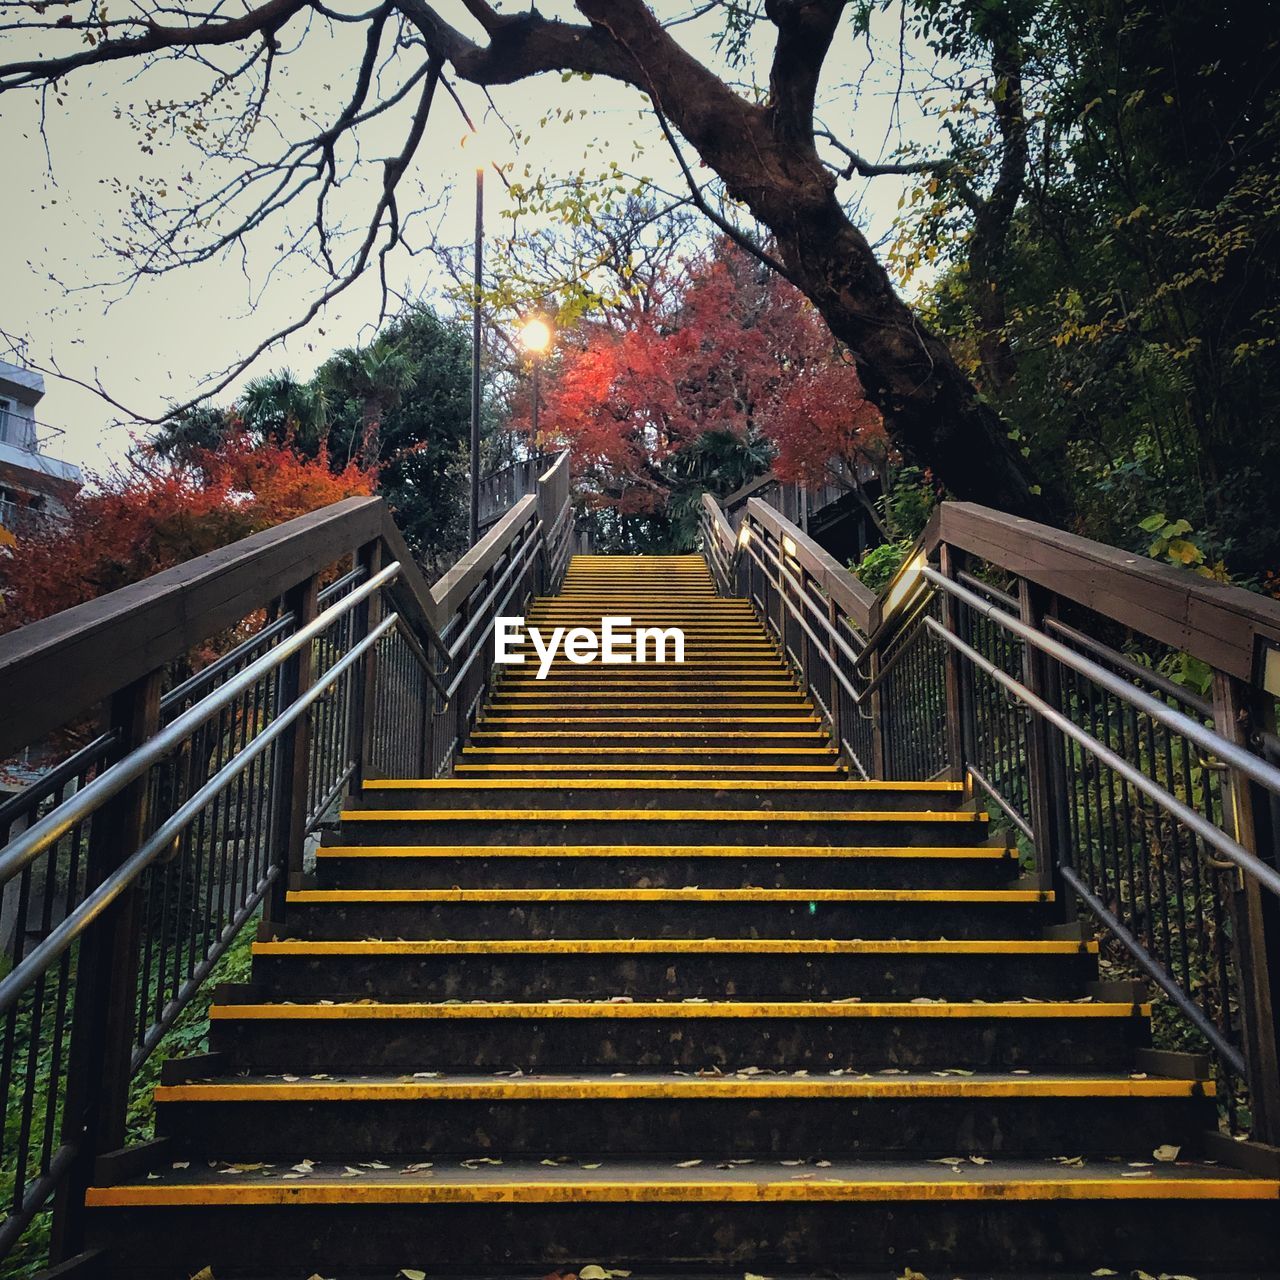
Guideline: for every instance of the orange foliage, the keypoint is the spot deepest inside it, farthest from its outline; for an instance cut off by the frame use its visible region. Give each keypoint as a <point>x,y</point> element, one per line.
<point>144,518</point>
<point>729,352</point>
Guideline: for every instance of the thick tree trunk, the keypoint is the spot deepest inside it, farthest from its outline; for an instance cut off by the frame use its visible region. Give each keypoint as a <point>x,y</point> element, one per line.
<point>766,157</point>
<point>932,411</point>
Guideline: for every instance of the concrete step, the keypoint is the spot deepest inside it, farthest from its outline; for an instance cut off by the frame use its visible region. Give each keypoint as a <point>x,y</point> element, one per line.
<point>521,1218</point>
<point>668,825</point>
<point>669,866</point>
<point>668,913</point>
<point>753,1117</point>
<point>674,969</point>
<point>923,800</point>
<point>562,1035</point>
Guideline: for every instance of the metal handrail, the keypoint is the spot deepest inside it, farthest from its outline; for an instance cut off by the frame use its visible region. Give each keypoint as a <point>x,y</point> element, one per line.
<point>138,762</point>
<point>1212,742</point>
<point>48,830</point>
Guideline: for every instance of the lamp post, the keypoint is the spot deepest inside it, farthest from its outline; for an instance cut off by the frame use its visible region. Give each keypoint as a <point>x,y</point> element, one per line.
<point>477,285</point>
<point>535,338</point>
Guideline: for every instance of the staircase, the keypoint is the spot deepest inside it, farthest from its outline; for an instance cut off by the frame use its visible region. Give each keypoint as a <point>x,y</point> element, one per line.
<point>649,982</point>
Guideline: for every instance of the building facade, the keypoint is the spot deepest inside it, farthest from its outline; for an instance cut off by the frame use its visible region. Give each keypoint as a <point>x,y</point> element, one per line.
<point>35,488</point>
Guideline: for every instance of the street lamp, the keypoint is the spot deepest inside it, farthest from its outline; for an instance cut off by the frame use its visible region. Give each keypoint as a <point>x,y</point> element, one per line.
<point>535,338</point>
<point>476,288</point>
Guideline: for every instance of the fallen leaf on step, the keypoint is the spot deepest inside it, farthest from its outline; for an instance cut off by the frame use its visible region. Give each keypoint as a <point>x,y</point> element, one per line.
<point>373,1164</point>
<point>752,1276</point>
<point>909,1274</point>
<point>979,1160</point>
<point>1104,1271</point>
<point>1137,1173</point>
<point>349,1172</point>
<point>182,1164</point>
<point>1071,1162</point>
<point>427,1075</point>
<point>1167,1154</point>
<point>687,1164</point>
<point>410,1273</point>
<point>205,1273</point>
<point>951,1160</point>
<point>417,1168</point>
<point>304,1166</point>
<point>588,1166</point>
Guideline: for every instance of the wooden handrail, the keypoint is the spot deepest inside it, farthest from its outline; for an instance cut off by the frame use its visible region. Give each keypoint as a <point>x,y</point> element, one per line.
<point>1224,626</point>
<point>61,666</point>
<point>832,577</point>
<point>456,584</point>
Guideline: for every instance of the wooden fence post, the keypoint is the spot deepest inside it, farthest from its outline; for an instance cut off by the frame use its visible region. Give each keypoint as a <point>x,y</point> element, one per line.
<point>290,835</point>
<point>958,706</point>
<point>105,1018</point>
<point>1255,913</point>
<point>1043,755</point>
<point>365,676</point>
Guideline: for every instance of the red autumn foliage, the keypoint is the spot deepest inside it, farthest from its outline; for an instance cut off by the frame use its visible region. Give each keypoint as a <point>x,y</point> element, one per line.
<point>731,351</point>
<point>145,517</point>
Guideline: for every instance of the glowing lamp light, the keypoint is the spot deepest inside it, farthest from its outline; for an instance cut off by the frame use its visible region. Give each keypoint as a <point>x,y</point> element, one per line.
<point>535,336</point>
<point>744,535</point>
<point>788,545</point>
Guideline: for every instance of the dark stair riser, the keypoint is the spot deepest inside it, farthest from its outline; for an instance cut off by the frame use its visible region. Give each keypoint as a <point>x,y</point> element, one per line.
<point>838,798</point>
<point>622,828</point>
<point>715,1128</point>
<point>674,773</point>
<point>638,871</point>
<point>663,1043</point>
<point>958,1238</point>
<point>717,976</point>
<point>694,758</point>
<point>783,708</point>
<point>585,738</point>
<point>622,919</point>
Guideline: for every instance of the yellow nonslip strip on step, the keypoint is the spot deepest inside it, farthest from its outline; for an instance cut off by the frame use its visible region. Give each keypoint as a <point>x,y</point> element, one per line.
<point>800,711</point>
<point>534,736</point>
<point>662,784</point>
<point>502,718</point>
<point>735,1009</point>
<point>622,770</point>
<point>376,896</point>
<point>581,1191</point>
<point>766,752</point>
<point>906,853</point>
<point>664,815</point>
<point>856,1089</point>
<point>681,946</point>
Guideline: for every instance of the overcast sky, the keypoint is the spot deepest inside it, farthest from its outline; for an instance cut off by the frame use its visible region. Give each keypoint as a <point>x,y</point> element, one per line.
<point>159,342</point>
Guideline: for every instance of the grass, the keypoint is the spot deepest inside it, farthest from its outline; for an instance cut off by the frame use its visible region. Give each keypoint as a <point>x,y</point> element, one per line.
<point>188,1035</point>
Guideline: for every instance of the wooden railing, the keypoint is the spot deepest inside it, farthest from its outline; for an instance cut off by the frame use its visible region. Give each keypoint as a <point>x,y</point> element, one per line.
<point>1039,668</point>
<point>502,488</point>
<point>128,867</point>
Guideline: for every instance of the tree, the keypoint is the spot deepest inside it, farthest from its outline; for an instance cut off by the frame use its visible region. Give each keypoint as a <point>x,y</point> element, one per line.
<point>399,408</point>
<point>373,379</point>
<point>765,153</point>
<point>1133,291</point>
<point>146,517</point>
<point>701,393</point>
